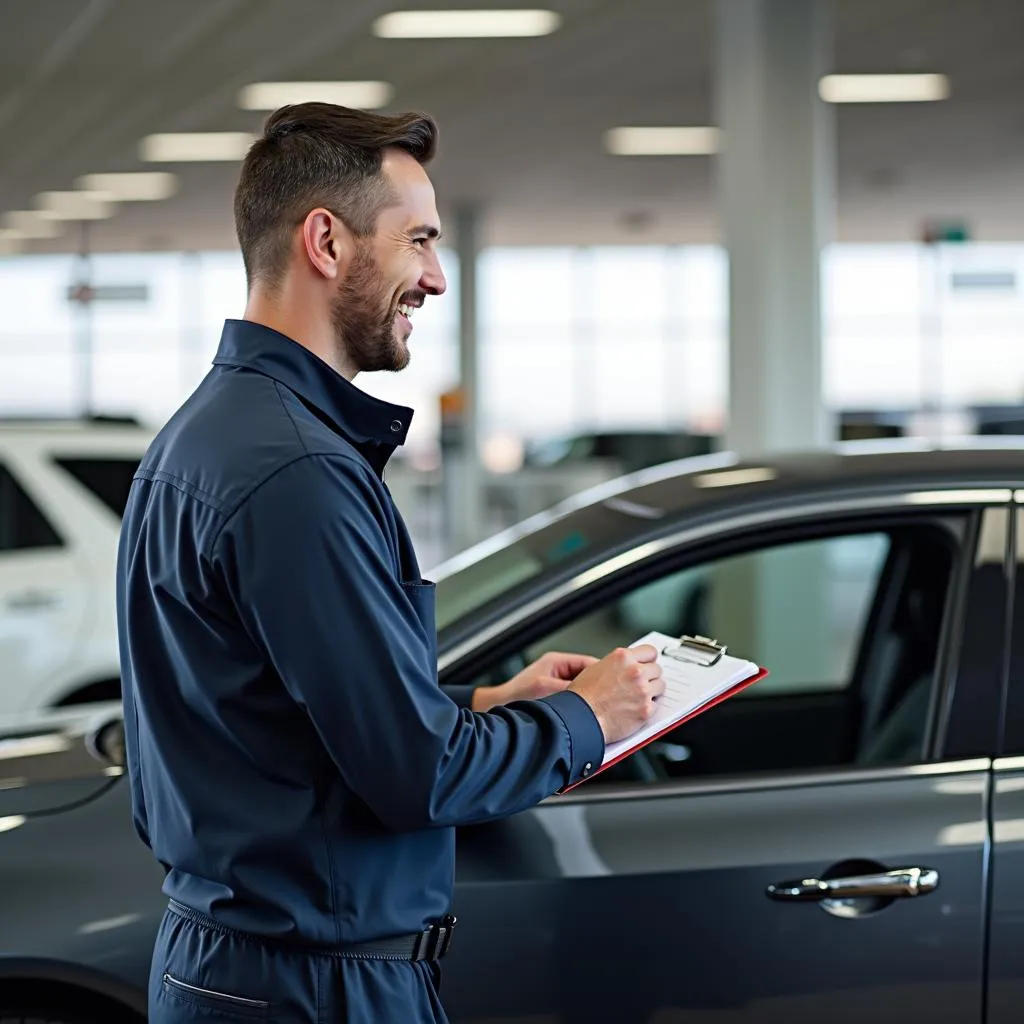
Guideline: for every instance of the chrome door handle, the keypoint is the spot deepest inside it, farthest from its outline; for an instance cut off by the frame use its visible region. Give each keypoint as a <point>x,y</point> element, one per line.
<point>899,882</point>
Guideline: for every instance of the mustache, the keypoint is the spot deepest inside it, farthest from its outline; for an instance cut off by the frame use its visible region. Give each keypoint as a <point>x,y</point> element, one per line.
<point>414,298</point>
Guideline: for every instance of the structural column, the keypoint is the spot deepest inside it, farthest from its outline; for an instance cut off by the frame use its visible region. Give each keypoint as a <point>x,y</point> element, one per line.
<point>463,475</point>
<point>776,184</point>
<point>776,205</point>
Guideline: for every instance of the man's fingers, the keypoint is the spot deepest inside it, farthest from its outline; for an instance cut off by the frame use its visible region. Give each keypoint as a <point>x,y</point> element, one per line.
<point>657,686</point>
<point>569,666</point>
<point>645,652</point>
<point>544,685</point>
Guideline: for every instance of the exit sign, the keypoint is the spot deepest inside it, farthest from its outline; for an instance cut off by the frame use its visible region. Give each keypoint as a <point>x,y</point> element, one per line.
<point>945,231</point>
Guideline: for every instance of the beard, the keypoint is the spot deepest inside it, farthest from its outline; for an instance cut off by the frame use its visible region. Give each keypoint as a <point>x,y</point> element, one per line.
<point>364,322</point>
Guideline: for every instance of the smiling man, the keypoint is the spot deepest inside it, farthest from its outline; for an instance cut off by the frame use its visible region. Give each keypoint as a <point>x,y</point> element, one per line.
<point>294,764</point>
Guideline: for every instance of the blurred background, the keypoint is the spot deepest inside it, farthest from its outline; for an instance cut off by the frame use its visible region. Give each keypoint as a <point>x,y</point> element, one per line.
<point>671,226</point>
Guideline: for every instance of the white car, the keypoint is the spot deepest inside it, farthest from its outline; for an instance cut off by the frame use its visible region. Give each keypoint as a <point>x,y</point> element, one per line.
<point>63,487</point>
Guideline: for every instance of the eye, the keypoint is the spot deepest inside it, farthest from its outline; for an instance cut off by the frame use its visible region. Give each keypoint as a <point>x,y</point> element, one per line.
<point>420,241</point>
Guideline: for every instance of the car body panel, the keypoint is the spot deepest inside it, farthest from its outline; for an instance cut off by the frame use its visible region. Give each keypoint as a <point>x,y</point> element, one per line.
<point>668,894</point>
<point>61,634</point>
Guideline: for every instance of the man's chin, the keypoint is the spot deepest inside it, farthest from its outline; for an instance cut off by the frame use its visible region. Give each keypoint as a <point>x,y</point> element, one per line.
<point>400,348</point>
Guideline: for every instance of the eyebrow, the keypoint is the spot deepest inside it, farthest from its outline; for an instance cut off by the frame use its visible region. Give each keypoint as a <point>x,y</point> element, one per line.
<point>426,229</point>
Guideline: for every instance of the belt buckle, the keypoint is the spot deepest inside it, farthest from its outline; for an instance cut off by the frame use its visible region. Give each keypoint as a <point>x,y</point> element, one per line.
<point>435,941</point>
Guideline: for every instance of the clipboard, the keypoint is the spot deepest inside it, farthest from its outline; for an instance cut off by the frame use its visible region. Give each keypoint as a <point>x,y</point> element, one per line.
<point>689,693</point>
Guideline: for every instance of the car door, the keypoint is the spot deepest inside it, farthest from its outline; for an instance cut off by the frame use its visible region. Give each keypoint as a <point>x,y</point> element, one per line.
<point>42,602</point>
<point>813,850</point>
<point>1006,966</point>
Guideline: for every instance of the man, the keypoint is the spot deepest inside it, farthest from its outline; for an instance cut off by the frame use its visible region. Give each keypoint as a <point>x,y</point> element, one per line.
<point>294,764</point>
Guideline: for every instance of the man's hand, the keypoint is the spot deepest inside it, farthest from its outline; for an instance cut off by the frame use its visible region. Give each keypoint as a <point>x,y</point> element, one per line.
<point>622,688</point>
<point>549,674</point>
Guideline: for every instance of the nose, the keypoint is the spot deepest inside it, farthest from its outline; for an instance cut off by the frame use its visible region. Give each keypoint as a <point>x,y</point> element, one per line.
<point>432,280</point>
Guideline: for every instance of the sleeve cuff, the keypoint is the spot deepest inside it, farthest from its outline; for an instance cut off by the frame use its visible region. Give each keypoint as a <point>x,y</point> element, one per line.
<point>586,741</point>
<point>462,695</point>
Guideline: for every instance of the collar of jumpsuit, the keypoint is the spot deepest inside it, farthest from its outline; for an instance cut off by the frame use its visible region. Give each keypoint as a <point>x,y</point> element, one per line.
<point>375,426</point>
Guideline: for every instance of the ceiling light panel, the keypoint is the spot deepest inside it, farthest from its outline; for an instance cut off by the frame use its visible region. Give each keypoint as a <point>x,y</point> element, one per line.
<point>662,141</point>
<point>271,95</point>
<point>31,224</point>
<point>10,241</point>
<point>74,206</point>
<point>144,186</point>
<point>466,24</point>
<point>883,88</point>
<point>198,147</point>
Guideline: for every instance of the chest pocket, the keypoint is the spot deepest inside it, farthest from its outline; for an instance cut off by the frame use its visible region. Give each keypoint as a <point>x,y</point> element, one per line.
<point>422,596</point>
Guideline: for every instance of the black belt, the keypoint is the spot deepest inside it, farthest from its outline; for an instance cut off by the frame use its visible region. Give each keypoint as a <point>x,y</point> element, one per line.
<point>431,944</point>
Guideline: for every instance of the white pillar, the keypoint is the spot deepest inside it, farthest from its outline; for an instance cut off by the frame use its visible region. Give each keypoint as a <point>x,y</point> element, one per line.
<point>464,493</point>
<point>776,204</point>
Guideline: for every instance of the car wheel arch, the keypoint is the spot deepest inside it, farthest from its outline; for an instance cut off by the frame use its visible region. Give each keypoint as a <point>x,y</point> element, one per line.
<point>94,691</point>
<point>43,985</point>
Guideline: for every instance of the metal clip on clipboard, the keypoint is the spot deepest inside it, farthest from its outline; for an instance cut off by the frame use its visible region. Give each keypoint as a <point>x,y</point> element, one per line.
<point>697,650</point>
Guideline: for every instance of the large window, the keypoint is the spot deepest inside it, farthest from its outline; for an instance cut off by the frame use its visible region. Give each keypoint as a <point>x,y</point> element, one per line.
<point>571,340</point>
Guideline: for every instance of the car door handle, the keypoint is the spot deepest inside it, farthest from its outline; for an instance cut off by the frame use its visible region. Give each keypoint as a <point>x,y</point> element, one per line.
<point>899,882</point>
<point>32,600</point>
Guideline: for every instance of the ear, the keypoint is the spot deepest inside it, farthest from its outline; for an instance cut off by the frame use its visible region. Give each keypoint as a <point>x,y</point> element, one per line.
<point>328,244</point>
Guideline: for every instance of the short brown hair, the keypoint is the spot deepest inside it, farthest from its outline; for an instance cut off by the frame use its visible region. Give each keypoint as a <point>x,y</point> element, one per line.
<point>318,154</point>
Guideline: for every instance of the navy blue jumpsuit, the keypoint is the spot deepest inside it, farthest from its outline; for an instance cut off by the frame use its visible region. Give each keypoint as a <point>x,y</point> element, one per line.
<point>294,764</point>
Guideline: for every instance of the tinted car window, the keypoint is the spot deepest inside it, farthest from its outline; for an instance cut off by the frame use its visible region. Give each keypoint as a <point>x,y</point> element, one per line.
<point>849,625</point>
<point>108,479</point>
<point>799,608</point>
<point>22,525</point>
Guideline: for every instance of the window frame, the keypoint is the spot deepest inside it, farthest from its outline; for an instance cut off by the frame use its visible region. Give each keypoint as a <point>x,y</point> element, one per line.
<point>745,531</point>
<point>59,541</point>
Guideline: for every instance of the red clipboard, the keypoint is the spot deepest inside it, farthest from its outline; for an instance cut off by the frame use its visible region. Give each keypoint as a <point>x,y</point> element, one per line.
<point>723,696</point>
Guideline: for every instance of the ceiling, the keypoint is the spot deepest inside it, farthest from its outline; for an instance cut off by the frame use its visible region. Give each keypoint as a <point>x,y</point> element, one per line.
<point>82,81</point>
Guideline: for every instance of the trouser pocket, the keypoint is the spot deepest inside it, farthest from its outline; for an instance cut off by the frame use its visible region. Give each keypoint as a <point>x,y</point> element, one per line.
<point>211,999</point>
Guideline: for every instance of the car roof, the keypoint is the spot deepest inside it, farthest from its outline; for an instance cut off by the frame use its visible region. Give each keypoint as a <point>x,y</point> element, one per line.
<point>100,432</point>
<point>615,516</point>
<point>674,488</point>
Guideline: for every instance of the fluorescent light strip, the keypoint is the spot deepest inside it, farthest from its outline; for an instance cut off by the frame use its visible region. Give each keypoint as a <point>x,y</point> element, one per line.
<point>883,88</point>
<point>10,241</point>
<point>271,95</point>
<point>466,24</point>
<point>142,186</point>
<point>199,147</point>
<point>662,141</point>
<point>73,206</point>
<point>31,224</point>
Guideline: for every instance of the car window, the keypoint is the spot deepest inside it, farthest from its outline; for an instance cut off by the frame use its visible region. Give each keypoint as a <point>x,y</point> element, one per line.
<point>798,608</point>
<point>849,626</point>
<point>108,479</point>
<point>22,525</point>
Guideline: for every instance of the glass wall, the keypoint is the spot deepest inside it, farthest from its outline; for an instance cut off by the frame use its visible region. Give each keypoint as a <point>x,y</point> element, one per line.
<point>571,339</point>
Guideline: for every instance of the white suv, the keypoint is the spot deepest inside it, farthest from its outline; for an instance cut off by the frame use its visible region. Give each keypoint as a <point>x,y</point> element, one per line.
<point>63,487</point>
